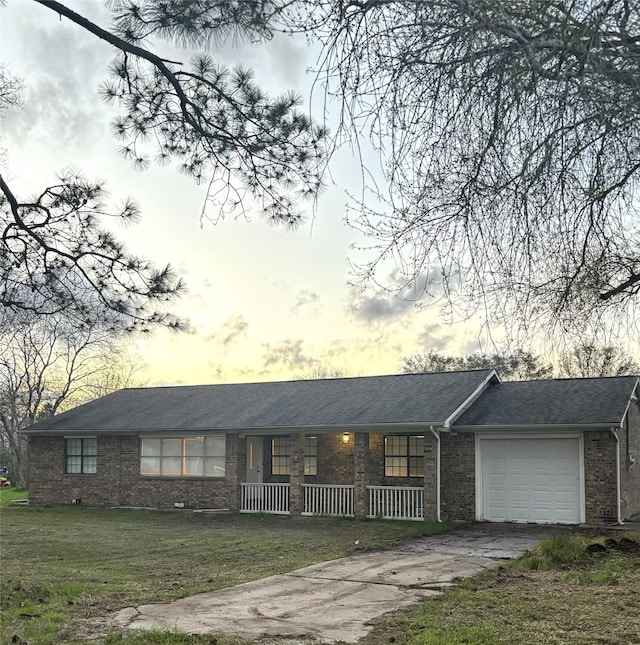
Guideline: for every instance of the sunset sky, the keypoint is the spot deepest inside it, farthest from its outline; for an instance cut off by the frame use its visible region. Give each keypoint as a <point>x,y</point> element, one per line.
<point>262,303</point>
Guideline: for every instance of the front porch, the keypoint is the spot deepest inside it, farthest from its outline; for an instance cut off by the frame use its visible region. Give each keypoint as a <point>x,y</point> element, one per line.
<point>392,477</point>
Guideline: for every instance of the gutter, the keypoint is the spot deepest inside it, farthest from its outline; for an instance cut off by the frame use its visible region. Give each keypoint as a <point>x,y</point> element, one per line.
<point>538,427</point>
<point>437,436</point>
<point>391,427</point>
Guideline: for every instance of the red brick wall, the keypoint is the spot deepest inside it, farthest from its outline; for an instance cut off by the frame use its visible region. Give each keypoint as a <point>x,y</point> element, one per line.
<point>458,476</point>
<point>118,481</point>
<point>335,460</point>
<point>600,477</point>
<point>376,460</point>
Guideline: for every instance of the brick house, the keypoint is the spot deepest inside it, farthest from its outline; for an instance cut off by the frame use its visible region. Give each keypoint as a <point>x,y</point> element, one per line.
<point>459,445</point>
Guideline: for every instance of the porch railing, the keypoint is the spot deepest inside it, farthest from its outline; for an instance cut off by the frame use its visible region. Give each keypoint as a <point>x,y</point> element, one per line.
<point>265,498</point>
<point>396,503</point>
<point>328,499</point>
<point>385,502</point>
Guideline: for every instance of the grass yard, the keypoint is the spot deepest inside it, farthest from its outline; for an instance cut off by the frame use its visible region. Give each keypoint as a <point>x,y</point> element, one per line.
<point>559,593</point>
<point>7,495</point>
<point>64,567</point>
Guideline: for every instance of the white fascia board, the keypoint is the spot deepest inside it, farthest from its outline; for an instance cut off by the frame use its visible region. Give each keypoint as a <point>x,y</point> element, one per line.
<point>631,397</point>
<point>471,398</point>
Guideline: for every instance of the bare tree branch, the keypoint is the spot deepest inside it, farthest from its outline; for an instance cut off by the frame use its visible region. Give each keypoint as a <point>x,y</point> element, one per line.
<point>510,134</point>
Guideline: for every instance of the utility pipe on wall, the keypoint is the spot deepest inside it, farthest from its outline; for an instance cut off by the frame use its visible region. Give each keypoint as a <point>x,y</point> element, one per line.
<point>618,488</point>
<point>437,436</point>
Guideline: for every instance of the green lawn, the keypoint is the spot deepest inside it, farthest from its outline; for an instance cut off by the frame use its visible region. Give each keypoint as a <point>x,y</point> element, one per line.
<point>9,494</point>
<point>64,566</point>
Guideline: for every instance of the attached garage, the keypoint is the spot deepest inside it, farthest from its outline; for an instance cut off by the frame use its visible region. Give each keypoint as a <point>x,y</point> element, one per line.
<point>561,451</point>
<point>530,479</point>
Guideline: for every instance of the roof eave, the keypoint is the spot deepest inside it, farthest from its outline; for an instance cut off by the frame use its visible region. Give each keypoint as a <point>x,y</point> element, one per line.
<point>256,430</point>
<point>604,425</point>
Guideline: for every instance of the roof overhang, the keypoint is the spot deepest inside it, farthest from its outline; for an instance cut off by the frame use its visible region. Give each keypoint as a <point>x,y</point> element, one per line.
<point>387,428</point>
<point>533,427</point>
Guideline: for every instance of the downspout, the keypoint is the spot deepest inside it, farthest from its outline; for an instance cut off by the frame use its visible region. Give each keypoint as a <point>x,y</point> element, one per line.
<point>628,460</point>
<point>618,487</point>
<point>437,436</point>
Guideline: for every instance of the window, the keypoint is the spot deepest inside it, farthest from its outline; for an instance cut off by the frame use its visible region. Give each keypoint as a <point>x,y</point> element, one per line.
<point>81,456</point>
<point>183,456</point>
<point>281,456</point>
<point>404,456</point>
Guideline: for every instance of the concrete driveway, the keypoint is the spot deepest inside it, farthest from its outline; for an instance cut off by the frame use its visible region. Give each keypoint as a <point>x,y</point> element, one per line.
<point>336,600</point>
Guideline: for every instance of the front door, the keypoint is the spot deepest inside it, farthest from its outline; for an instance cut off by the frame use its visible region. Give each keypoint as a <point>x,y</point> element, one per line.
<point>254,460</point>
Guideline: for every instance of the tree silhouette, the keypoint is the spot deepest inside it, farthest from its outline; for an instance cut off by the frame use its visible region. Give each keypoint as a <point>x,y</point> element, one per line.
<point>215,124</point>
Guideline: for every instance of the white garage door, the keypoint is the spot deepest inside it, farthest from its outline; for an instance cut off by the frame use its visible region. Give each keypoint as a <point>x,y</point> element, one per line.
<point>531,480</point>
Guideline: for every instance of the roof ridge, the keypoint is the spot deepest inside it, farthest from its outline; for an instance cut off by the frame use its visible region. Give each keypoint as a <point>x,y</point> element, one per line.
<point>582,379</point>
<point>310,380</point>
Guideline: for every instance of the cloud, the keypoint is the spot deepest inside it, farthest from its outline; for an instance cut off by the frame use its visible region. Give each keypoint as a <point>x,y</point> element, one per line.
<point>306,298</point>
<point>60,86</point>
<point>287,352</point>
<point>433,338</point>
<point>230,331</point>
<point>379,304</point>
<point>398,297</point>
<point>287,60</point>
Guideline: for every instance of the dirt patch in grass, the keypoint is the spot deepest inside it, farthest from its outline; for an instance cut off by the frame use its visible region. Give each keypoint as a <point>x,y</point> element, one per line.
<point>625,545</point>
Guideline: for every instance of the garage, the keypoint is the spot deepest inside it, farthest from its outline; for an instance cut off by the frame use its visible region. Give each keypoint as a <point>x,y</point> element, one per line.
<point>534,479</point>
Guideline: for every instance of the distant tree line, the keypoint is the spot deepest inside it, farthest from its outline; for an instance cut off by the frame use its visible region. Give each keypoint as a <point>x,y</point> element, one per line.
<point>47,365</point>
<point>583,361</point>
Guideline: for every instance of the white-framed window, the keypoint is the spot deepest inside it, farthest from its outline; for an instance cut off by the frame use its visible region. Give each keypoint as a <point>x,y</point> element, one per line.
<point>183,456</point>
<point>80,455</point>
<point>404,456</point>
<point>281,456</point>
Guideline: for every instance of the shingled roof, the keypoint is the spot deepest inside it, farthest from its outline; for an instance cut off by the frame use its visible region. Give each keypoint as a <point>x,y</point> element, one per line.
<point>374,401</point>
<point>590,402</point>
